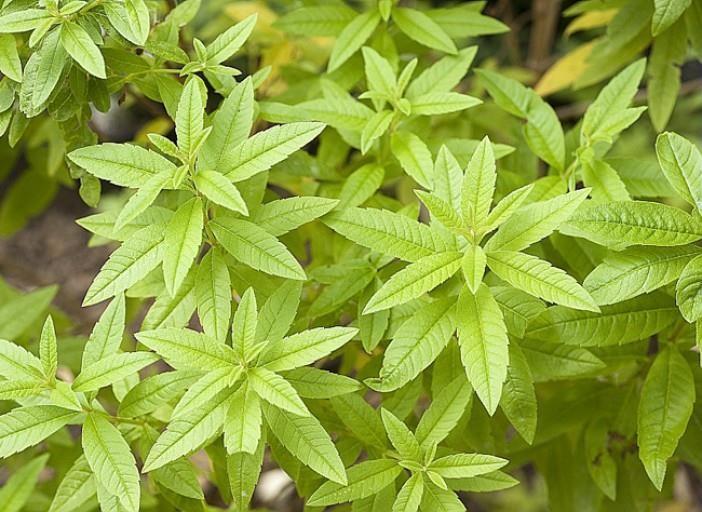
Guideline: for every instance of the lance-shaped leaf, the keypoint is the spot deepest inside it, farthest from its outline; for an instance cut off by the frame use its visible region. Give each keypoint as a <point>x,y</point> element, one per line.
<point>518,395</point>
<point>304,437</point>
<point>23,427</point>
<point>19,487</point>
<point>553,361</point>
<point>242,428</point>
<point>22,20</point>
<point>181,242</point>
<point>473,266</point>
<point>410,496</point>
<point>665,406</point>
<point>535,221</point>
<point>42,73</point>
<point>16,389</point>
<point>666,12</point>
<point>433,104</point>
<point>537,277</point>
<point>688,292</point>
<point>81,47</point>
<point>187,433</point>
<point>420,27</point>
<point>269,147</point>
<point>628,321</point>
<point>111,460</point>
<point>482,336</point>
<point>376,126</point>
<point>136,257</point>
<point>466,465</point>
<point>213,293</point>
<point>311,382</point>
<point>47,348</point>
<point>361,419</point>
<point>318,20</point>
<point>379,73</point>
<point>218,189</point>
<point>401,437</point>
<point>445,411</point>
<point>244,326</point>
<point>518,308</point>
<point>681,162</point>
<point>283,215</point>
<point>190,115</point>
<point>416,344</point>
<point>187,349</point>
<point>414,157</point>
<point>365,479</point>
<point>152,392</point>
<point>389,233</point>
<point>257,248</point>
<point>278,313</point>
<point>131,20</point>
<point>305,347</point>
<point>125,165</point>
<point>478,185</point>
<point>637,270</point>
<point>436,498</point>
<point>111,369</point>
<point>275,390</point>
<point>243,470</point>
<point>415,280</point>
<point>620,224</point>
<point>76,488</point>
<point>204,389</point>
<point>228,42</point>
<point>17,363</point>
<point>352,38</point>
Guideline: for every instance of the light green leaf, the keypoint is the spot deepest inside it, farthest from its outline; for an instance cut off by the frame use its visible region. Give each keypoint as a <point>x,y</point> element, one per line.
<point>688,292</point>
<point>41,74</point>
<point>257,248</point>
<point>537,277</point>
<point>23,427</point>
<point>18,488</point>
<point>204,389</point>
<point>376,126</point>
<point>555,361</point>
<point>478,185</point>
<point>15,389</point>
<point>106,336</point>
<point>365,479</point>
<point>535,221</point>
<point>420,27</point>
<point>218,189</point>
<point>665,13</point>
<point>136,257</point>
<point>665,406</point>
<point>414,157</point>
<point>620,224</point>
<point>269,147</point>
<point>352,38</point>
<point>76,488</point>
<point>131,20</point>
<point>244,326</point>
<point>317,20</point>
<point>637,270</point>
<point>466,465</point>
<point>190,115</point>
<point>443,75</point>
<point>82,49</point>
<point>389,233</point>
<point>305,438</point>
<point>437,103</point>
<point>518,308</point>
<point>440,500</point>
<point>152,392</point>
<point>242,428</point>
<point>230,41</point>
<point>410,496</point>
<point>10,63</point>
<point>473,266</point>
<point>17,363</point>
<point>47,348</point>
<point>681,162</point>
<point>361,419</point>
<point>275,390</point>
<point>22,20</point>
<point>243,470</point>
<point>311,382</point>
<point>482,336</point>
<point>518,395</point>
<point>111,459</point>
<point>415,280</point>
<point>445,411</point>
<point>380,76</point>
<point>283,215</point>
<point>361,185</point>
<point>304,347</point>
<point>186,349</point>
<point>181,241</point>
<point>214,295</point>
<point>278,312</point>
<point>111,369</point>
<point>628,321</point>
<point>401,437</point>
<point>142,199</point>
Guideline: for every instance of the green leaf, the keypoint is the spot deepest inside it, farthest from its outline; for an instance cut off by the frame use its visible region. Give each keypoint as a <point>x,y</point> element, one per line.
<point>466,465</point>
<point>242,428</point>
<point>16,389</point>
<point>136,257</point>
<point>364,479</point>
<point>380,76</point>
<point>436,498</point>
<point>243,470</point>
<point>269,147</point>
<point>310,382</point>
<point>244,326</point>
<point>190,115</point>
<point>518,308</point>
<point>361,420</point>
<point>554,361</point>
<point>41,74</point>
<point>665,406</point>
<point>445,411</point>
<point>76,488</point>
<point>414,157</point>
<point>361,185</point>
<point>106,336</point>
<point>111,459</point>
<point>186,349</point>
<point>518,395</point>
<point>637,270</point>
<point>410,495</point>
<point>389,233</point>
<point>400,436</point>
<point>352,38</point>
<point>152,392</point>
<point>416,344</point>
<point>275,390</point>
<point>283,215</point>
<point>443,75</point>
<point>18,363</point>
<point>277,314</point>
<point>22,20</point>
<point>482,336</point>
<point>681,162</point>
<point>47,348</point>
<point>415,280</point>
<point>420,27</point>
<point>131,20</point>
<point>537,277</point>
<point>688,292</point>
<point>18,488</point>
<point>23,427</point>
<point>10,63</point>
<point>182,239</point>
<point>318,20</point>
<point>253,246</point>
<point>307,441</point>
<point>214,296</point>
<point>82,49</point>
<point>204,389</point>
<point>473,266</point>
<point>376,126</point>
<point>125,165</point>
<point>437,103</point>
<point>633,320</point>
<point>142,199</point>
<point>111,369</point>
<point>187,433</point>
<point>230,41</point>
<point>620,224</point>
<point>218,189</point>
<point>478,185</point>
<point>305,347</point>
<point>666,12</point>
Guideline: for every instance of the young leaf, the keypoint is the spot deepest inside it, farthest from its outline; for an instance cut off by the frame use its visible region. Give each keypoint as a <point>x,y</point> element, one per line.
<point>218,189</point>
<point>190,115</point>
<point>182,239</point>
<point>111,369</point>
<point>275,390</point>
<point>466,465</point>
<point>400,436</point>
<point>410,495</point>
<point>445,411</point>
<point>186,349</point>
<point>304,348</point>
<point>81,47</point>
<point>229,42</point>
<point>681,162</point>
<point>47,348</point>
<point>242,428</point>
<point>478,185</point>
<point>214,296</point>
<point>364,479</point>
<point>420,27</point>
<point>352,38</point>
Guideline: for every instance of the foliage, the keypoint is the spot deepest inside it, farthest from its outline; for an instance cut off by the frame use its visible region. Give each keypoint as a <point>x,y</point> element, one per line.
<point>329,236</point>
